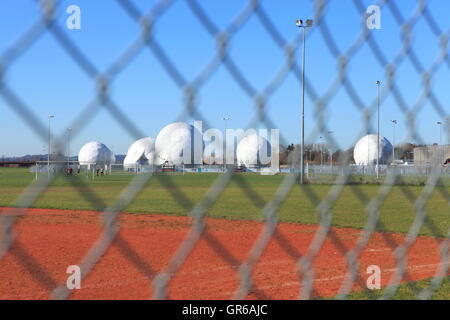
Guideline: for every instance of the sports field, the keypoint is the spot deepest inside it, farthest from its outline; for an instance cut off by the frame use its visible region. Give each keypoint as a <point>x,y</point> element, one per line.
<point>174,195</point>
<point>242,199</point>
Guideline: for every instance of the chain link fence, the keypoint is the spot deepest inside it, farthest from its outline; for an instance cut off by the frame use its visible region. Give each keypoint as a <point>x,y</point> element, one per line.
<point>190,87</point>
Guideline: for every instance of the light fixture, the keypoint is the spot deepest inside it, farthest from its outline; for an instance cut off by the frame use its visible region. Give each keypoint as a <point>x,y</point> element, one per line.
<point>299,23</point>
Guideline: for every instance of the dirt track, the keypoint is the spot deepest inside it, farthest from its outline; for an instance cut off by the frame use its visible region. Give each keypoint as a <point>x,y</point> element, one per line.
<point>58,238</point>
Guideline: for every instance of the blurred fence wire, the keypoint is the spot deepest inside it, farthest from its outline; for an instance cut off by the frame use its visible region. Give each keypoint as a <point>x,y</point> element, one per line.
<point>145,40</point>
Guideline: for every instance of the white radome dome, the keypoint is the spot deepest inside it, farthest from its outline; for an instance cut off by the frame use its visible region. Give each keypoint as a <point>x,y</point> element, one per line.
<point>173,139</point>
<point>250,150</point>
<point>213,153</point>
<point>95,153</point>
<point>365,152</point>
<point>142,149</point>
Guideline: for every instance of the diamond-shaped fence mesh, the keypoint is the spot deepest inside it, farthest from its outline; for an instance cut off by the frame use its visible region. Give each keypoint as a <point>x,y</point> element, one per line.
<point>190,86</point>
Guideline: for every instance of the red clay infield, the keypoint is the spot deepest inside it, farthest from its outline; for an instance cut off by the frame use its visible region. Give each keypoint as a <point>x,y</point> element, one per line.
<point>55,239</point>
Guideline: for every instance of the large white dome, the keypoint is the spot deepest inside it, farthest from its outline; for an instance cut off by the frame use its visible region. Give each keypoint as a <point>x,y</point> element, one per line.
<point>173,139</point>
<point>95,153</point>
<point>365,152</point>
<point>251,149</point>
<point>141,150</point>
<point>213,153</point>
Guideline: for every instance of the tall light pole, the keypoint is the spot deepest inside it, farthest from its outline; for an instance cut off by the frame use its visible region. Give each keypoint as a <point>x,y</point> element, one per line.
<point>331,154</point>
<point>394,123</point>
<point>68,146</point>
<point>50,117</point>
<point>378,83</point>
<point>225,119</point>
<point>439,123</point>
<point>300,24</point>
<point>321,153</point>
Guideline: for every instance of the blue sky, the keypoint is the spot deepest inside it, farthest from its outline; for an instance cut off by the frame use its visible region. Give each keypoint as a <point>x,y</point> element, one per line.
<point>48,81</point>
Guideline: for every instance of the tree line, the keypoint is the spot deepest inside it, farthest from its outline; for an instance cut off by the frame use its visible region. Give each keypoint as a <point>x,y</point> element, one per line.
<point>321,153</point>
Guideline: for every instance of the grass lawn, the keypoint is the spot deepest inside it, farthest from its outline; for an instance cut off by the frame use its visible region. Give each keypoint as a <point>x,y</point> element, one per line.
<point>236,202</point>
<point>407,291</point>
<point>243,199</point>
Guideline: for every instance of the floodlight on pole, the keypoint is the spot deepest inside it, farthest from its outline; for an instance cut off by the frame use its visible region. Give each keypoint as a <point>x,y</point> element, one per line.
<point>331,153</point>
<point>394,123</point>
<point>68,146</point>
<point>378,83</point>
<point>321,154</point>
<point>299,23</point>
<point>226,119</point>
<point>49,142</point>
<point>439,123</point>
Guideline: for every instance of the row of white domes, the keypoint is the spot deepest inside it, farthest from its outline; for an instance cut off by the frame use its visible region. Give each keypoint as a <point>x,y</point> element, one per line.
<point>176,137</point>
<point>169,145</point>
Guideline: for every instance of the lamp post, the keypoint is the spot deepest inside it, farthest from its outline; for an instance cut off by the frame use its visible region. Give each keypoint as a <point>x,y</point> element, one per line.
<point>68,146</point>
<point>378,84</point>
<point>439,123</point>
<point>225,119</point>
<point>321,153</point>
<point>49,143</point>
<point>394,123</point>
<point>300,24</point>
<point>331,155</point>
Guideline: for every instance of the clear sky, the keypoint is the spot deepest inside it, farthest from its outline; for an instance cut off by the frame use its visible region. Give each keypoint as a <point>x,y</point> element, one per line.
<point>47,79</point>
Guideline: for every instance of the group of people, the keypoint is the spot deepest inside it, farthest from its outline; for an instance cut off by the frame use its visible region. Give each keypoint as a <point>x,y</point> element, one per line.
<point>69,171</point>
<point>98,171</point>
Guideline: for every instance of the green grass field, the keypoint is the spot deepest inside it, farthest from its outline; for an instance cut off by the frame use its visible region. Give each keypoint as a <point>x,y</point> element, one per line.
<point>237,202</point>
<point>407,291</point>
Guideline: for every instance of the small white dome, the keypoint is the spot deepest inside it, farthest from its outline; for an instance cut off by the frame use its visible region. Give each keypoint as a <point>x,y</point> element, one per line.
<point>365,152</point>
<point>142,149</point>
<point>173,139</point>
<point>95,153</point>
<point>251,149</point>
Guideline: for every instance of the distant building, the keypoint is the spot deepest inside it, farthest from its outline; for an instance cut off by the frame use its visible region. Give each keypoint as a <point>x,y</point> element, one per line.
<point>431,154</point>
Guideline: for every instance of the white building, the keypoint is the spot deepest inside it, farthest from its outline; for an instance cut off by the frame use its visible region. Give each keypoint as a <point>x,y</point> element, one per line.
<point>96,154</point>
<point>141,152</point>
<point>213,153</point>
<point>253,150</point>
<point>431,155</point>
<point>179,143</point>
<point>366,150</point>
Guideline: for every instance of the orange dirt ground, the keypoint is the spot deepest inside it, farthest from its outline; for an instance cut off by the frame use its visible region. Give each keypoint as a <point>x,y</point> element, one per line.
<point>55,239</point>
